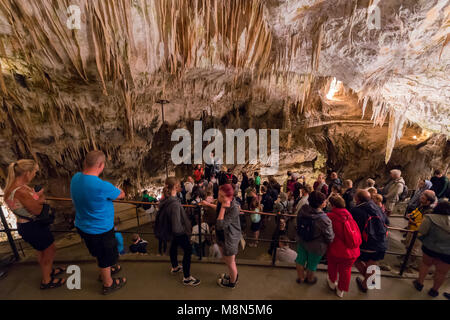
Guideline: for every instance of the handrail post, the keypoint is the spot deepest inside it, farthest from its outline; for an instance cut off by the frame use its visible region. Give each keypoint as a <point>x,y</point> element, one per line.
<point>274,241</point>
<point>200,231</point>
<point>137,216</point>
<point>408,252</point>
<point>9,235</point>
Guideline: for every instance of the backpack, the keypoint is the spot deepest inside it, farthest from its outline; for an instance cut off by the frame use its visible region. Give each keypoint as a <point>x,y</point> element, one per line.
<point>352,236</point>
<point>305,228</point>
<point>284,209</point>
<point>163,226</point>
<point>290,185</point>
<point>146,206</point>
<point>375,231</point>
<point>267,203</point>
<point>404,193</point>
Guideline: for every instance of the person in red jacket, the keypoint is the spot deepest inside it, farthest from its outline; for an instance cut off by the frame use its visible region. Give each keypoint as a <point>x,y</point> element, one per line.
<point>344,250</point>
<point>198,174</point>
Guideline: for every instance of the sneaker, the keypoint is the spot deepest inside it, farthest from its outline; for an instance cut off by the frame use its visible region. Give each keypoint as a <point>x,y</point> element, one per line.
<point>331,284</point>
<point>227,277</point>
<point>433,293</point>
<point>447,295</point>
<point>225,283</point>
<point>311,282</point>
<point>176,270</point>
<point>417,285</point>
<point>191,281</point>
<point>339,293</point>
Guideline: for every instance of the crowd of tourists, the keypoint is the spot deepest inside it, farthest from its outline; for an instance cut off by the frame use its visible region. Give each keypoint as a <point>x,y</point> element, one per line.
<point>334,222</point>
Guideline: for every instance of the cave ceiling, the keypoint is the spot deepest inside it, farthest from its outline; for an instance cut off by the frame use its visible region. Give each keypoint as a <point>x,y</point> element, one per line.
<point>65,90</point>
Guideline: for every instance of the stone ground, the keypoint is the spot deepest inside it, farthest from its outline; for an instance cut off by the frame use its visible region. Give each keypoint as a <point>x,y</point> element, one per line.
<point>153,281</point>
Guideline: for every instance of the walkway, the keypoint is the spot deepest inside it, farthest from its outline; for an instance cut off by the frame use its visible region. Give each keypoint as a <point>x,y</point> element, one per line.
<point>152,280</point>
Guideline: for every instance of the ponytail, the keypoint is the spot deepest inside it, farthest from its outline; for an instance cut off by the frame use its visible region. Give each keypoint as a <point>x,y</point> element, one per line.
<point>17,169</point>
<point>171,182</point>
<point>11,175</point>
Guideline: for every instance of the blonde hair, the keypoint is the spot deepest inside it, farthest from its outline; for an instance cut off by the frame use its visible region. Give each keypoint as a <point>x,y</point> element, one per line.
<point>348,183</point>
<point>17,169</point>
<point>378,198</point>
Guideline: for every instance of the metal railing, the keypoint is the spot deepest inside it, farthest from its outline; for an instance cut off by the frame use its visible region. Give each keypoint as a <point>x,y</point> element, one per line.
<point>274,242</point>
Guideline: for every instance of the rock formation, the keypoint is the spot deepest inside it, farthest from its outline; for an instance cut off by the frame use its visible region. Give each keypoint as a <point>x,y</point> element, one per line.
<point>348,81</point>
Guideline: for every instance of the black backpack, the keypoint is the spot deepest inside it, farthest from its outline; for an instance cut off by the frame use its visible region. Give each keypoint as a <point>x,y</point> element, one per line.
<point>216,190</point>
<point>146,206</point>
<point>267,203</point>
<point>305,228</point>
<point>404,193</point>
<point>163,226</point>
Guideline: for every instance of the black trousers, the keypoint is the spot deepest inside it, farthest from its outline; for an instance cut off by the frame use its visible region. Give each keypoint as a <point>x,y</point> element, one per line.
<point>162,246</point>
<point>183,242</point>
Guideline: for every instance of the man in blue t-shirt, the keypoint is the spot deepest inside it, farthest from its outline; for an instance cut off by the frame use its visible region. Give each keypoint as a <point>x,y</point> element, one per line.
<point>94,219</point>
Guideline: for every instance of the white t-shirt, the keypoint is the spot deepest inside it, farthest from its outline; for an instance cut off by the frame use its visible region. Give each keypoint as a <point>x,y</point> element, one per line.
<point>188,187</point>
<point>286,254</point>
<point>205,231</point>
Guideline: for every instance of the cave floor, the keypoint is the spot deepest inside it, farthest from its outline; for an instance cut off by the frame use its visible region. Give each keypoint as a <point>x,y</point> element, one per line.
<point>152,280</point>
<point>147,273</point>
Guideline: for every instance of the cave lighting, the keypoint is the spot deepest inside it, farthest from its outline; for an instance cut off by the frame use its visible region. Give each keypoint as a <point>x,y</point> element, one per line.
<point>415,137</point>
<point>10,217</point>
<point>335,86</point>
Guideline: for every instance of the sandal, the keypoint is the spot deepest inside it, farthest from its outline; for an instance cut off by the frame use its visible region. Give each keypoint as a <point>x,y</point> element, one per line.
<point>417,285</point>
<point>57,271</point>
<point>52,284</point>
<point>299,281</point>
<point>115,286</point>
<point>313,281</point>
<point>115,269</point>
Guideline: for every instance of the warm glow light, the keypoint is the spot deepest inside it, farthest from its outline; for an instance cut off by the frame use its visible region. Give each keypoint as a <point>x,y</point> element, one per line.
<point>10,218</point>
<point>334,88</point>
<point>415,137</point>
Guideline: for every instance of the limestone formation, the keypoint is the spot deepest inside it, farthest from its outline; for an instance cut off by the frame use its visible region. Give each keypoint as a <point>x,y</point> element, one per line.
<point>348,81</point>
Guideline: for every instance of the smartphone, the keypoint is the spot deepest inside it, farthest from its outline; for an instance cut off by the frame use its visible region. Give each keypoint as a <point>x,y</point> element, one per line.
<point>37,188</point>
